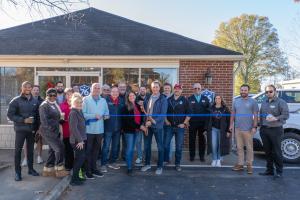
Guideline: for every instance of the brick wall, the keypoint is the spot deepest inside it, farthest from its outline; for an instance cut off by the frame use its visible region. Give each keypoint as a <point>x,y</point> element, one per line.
<point>222,79</point>
<point>7,137</point>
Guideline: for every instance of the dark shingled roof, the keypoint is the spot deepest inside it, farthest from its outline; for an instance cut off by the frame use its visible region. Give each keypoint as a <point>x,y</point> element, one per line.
<point>98,33</point>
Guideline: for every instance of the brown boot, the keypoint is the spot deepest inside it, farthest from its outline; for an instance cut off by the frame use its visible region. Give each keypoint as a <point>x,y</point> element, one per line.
<point>48,172</point>
<point>238,167</point>
<point>249,169</point>
<point>60,171</point>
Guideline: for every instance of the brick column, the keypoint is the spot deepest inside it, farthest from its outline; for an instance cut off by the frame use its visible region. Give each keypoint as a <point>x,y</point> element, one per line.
<point>192,71</point>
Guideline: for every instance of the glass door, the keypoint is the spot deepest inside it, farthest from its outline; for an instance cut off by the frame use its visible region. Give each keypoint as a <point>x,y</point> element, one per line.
<point>83,83</point>
<point>83,80</point>
<point>46,82</point>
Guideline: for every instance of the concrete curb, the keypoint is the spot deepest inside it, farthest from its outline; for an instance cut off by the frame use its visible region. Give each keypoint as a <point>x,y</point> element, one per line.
<point>4,166</point>
<point>57,191</point>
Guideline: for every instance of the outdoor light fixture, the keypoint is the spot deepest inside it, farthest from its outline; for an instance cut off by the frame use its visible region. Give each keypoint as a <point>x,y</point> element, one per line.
<point>208,77</point>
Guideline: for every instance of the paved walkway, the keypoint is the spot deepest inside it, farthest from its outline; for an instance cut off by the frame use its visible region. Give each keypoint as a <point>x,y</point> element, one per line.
<point>30,188</point>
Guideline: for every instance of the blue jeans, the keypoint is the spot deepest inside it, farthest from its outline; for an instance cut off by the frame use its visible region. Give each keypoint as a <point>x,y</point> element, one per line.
<point>130,143</point>
<point>158,134</point>
<point>138,144</point>
<point>110,139</point>
<point>179,139</point>
<point>172,141</point>
<point>215,141</point>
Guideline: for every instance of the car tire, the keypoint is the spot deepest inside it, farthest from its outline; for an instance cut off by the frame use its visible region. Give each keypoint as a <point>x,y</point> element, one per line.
<point>290,146</point>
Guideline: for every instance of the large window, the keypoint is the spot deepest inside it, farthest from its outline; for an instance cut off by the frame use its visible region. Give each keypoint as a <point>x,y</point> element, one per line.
<point>11,79</point>
<point>113,76</point>
<point>163,75</point>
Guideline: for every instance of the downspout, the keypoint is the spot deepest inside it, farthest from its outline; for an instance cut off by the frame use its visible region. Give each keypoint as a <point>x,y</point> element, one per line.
<point>233,142</point>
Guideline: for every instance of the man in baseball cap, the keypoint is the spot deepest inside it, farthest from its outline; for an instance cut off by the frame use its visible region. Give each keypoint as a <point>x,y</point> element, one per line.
<point>177,121</point>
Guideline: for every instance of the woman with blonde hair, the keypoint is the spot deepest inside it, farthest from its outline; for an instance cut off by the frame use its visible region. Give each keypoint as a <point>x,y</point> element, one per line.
<point>77,136</point>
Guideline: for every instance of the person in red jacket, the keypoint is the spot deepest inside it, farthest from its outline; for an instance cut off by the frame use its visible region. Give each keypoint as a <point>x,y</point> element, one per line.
<point>65,107</point>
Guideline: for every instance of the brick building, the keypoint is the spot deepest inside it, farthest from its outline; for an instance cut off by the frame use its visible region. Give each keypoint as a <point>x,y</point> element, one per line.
<point>95,46</point>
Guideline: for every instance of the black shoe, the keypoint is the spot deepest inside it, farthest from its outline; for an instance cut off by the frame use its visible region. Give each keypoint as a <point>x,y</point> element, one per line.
<point>18,177</point>
<point>97,174</point>
<point>32,172</point>
<point>277,176</point>
<point>266,173</point>
<point>89,176</point>
<point>192,159</point>
<point>76,182</point>
<point>129,172</point>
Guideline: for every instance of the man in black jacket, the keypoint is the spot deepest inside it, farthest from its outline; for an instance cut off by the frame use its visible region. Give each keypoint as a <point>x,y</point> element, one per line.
<point>176,122</point>
<point>23,111</point>
<point>199,105</point>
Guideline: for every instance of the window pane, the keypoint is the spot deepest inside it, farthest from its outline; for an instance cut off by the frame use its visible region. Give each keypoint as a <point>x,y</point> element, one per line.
<point>84,83</point>
<point>11,79</point>
<point>113,76</point>
<point>291,96</point>
<point>46,82</point>
<point>161,74</point>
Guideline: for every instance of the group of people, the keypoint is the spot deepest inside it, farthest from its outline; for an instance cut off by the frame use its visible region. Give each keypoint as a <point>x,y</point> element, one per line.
<point>112,122</point>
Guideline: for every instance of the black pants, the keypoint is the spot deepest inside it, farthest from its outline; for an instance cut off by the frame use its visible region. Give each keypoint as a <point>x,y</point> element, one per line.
<point>56,150</point>
<point>78,161</point>
<point>69,154</point>
<point>19,142</point>
<point>195,130</point>
<point>271,138</point>
<point>92,150</point>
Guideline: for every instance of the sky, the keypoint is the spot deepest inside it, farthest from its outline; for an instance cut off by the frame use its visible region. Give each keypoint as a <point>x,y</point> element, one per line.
<point>197,19</point>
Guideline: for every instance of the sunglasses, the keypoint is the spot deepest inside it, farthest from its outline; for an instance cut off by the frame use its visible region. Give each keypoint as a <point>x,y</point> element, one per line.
<point>270,92</point>
<point>52,95</point>
<point>197,88</point>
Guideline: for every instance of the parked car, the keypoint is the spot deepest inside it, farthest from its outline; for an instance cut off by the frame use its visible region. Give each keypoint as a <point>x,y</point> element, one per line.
<point>290,143</point>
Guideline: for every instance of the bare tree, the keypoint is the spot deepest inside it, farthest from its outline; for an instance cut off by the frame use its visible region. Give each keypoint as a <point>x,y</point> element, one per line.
<point>39,6</point>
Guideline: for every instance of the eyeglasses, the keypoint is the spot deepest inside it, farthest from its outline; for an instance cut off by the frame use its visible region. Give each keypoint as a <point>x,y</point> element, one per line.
<point>270,92</point>
<point>52,95</point>
<point>197,88</point>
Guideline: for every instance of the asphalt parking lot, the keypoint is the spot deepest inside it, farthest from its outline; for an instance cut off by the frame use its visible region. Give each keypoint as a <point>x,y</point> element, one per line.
<point>191,183</point>
<point>196,181</point>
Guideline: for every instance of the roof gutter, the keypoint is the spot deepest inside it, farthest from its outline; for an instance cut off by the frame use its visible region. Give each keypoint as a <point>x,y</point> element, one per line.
<point>117,57</point>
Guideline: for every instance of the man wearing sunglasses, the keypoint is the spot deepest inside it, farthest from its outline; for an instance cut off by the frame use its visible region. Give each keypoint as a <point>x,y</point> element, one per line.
<point>273,114</point>
<point>199,105</point>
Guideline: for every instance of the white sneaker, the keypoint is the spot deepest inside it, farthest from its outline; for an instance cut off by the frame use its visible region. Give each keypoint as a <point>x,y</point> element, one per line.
<point>145,168</point>
<point>218,164</point>
<point>39,160</point>
<point>213,163</point>
<point>103,169</point>
<point>138,161</point>
<point>24,163</point>
<point>158,171</point>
